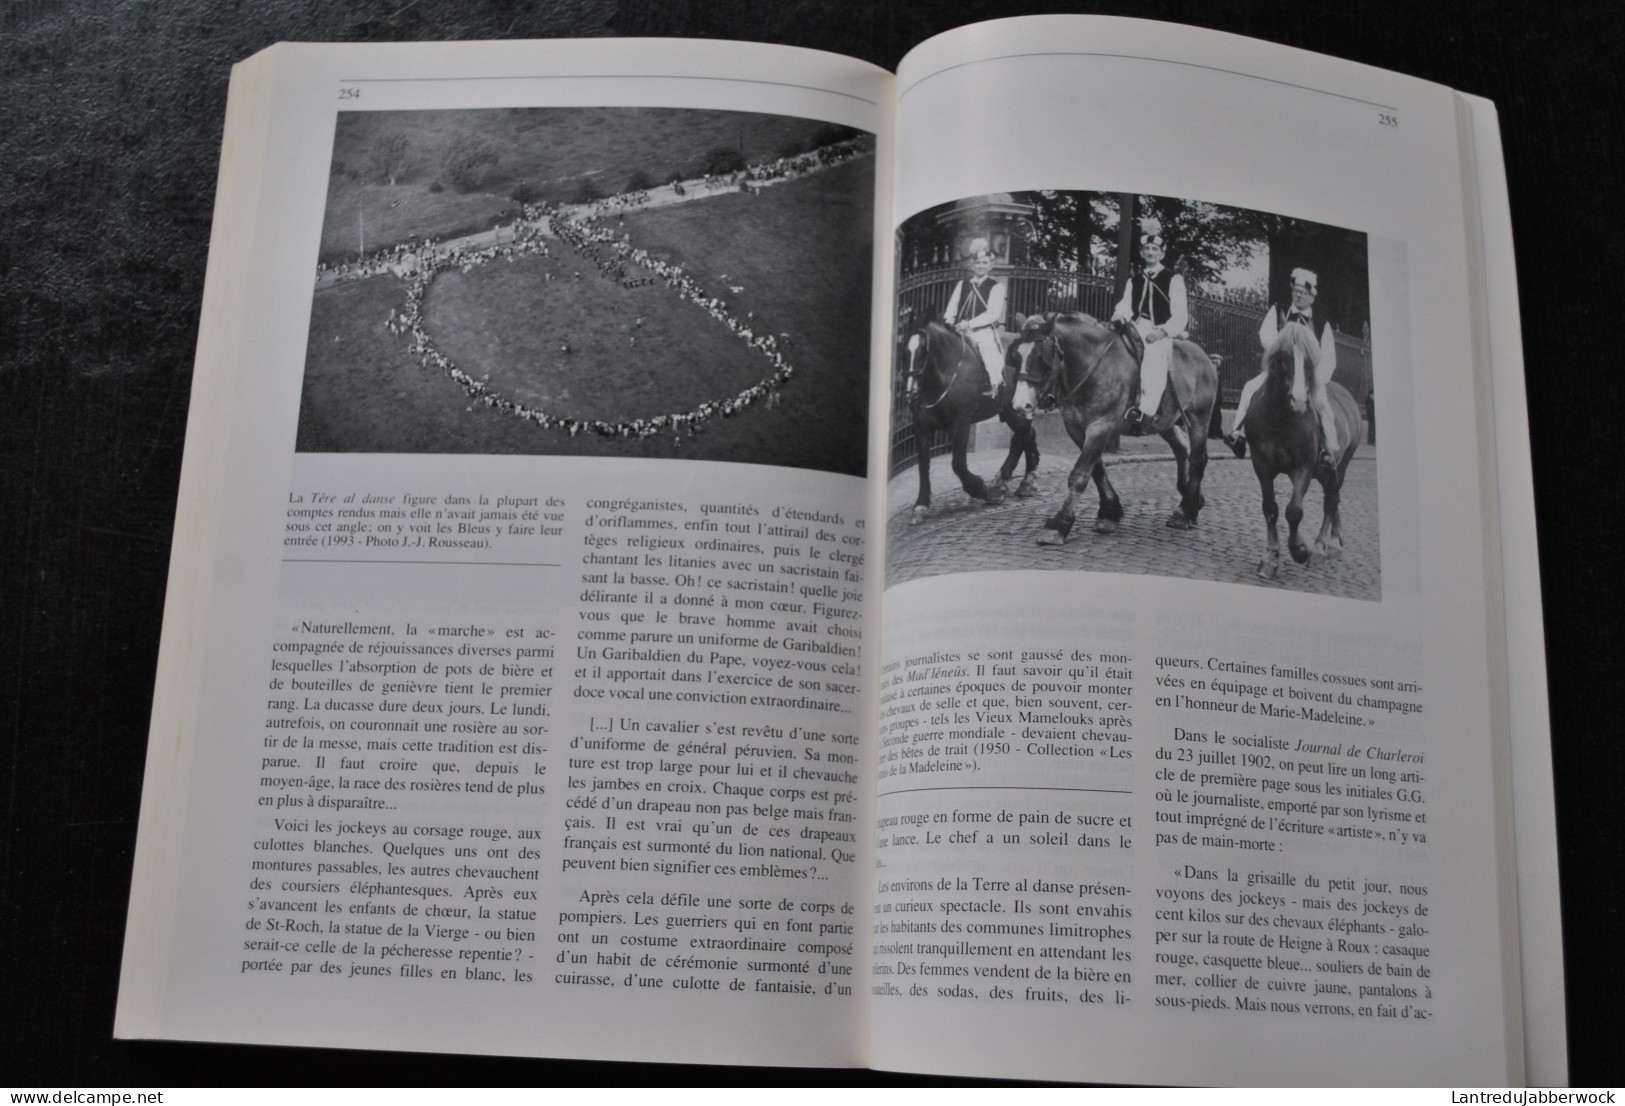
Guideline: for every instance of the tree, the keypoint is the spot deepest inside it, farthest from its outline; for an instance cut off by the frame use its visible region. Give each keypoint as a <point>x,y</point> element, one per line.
<point>1204,240</point>
<point>1067,226</point>
<point>1336,255</point>
<point>467,161</point>
<point>390,155</point>
<point>1126,234</point>
<point>723,159</point>
<point>831,133</point>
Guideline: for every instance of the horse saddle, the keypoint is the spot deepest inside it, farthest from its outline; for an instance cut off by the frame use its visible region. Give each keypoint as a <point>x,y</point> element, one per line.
<point>1178,393</point>
<point>1167,413</point>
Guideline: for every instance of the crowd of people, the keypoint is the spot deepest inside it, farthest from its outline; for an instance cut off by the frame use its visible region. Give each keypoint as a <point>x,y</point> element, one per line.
<point>600,247</point>
<point>752,177</point>
<point>618,204</point>
<point>617,259</point>
<point>824,157</point>
<point>613,256</point>
<point>405,260</point>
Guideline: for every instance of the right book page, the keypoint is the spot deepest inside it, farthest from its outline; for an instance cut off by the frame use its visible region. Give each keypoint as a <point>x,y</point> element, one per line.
<point>1196,744</point>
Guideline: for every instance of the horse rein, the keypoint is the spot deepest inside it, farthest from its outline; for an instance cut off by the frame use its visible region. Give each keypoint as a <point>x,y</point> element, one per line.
<point>964,348</point>
<point>1093,365</point>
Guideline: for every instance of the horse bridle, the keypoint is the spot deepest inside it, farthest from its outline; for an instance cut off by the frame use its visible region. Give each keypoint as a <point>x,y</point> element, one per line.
<point>1117,336</point>
<point>965,348</point>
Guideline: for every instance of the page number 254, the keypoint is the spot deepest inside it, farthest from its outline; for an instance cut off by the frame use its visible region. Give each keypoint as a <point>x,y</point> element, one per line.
<point>349,94</point>
<point>1386,120</point>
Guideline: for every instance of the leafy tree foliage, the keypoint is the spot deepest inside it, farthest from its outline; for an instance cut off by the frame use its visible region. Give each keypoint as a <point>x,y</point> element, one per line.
<point>391,155</point>
<point>1204,240</point>
<point>723,159</point>
<point>468,160</point>
<point>1071,229</point>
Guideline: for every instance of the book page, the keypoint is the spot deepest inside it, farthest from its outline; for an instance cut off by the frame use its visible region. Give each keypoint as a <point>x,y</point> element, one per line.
<point>1540,944</point>
<point>512,693</point>
<point>1192,766</point>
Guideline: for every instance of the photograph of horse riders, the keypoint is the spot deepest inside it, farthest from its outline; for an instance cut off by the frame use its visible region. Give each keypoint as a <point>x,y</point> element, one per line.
<point>1206,368</point>
<point>609,282</point>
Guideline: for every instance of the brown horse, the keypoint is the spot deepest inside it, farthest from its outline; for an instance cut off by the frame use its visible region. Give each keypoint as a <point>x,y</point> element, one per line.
<point>945,386</point>
<point>1092,372</point>
<point>1285,437</point>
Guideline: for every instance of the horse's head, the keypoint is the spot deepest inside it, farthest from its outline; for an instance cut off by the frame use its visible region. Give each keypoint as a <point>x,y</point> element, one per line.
<point>1031,360</point>
<point>907,340</point>
<point>929,357</point>
<point>1292,362</point>
<point>914,340</point>
<point>908,363</point>
<point>1030,328</point>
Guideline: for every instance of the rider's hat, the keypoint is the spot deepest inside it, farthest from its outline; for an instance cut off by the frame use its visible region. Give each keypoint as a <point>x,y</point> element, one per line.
<point>1307,278</point>
<point>1151,234</point>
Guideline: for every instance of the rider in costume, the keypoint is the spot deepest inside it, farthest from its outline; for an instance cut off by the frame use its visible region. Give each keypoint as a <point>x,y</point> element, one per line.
<point>976,309</point>
<point>1154,302</point>
<point>1305,286</point>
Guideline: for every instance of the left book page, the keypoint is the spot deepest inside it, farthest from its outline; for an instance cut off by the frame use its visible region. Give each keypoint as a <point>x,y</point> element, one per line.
<point>511,696</point>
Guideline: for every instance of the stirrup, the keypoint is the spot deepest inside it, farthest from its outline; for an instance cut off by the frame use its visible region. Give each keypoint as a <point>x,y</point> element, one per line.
<point>1134,416</point>
<point>1237,444</point>
<point>1326,461</point>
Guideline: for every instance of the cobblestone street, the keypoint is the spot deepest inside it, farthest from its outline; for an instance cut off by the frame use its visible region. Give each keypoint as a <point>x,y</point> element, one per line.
<point>962,535</point>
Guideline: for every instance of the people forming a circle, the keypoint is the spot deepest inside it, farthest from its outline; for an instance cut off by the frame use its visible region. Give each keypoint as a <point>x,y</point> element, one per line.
<point>618,260</point>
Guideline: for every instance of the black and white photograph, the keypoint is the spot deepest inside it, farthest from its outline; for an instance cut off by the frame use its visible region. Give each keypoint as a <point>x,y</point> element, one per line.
<point>552,281</point>
<point>1137,384</point>
<point>288,249</point>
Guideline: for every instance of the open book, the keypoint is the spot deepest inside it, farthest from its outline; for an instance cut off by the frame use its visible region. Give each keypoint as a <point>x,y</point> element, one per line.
<point>709,552</point>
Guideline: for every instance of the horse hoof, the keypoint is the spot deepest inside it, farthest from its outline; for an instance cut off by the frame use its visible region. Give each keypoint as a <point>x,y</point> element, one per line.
<point>1052,537</point>
<point>1105,526</point>
<point>1300,553</point>
<point>1027,488</point>
<point>1267,569</point>
<point>993,496</point>
<point>917,516</point>
<point>1178,521</point>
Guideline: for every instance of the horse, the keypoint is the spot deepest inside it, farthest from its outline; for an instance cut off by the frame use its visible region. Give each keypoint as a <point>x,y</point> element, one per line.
<point>1285,437</point>
<point>1092,372</point>
<point>945,381</point>
<point>1020,396</point>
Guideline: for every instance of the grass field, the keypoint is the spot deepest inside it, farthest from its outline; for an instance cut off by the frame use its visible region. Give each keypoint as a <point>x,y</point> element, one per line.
<point>552,150</point>
<point>512,325</point>
<point>800,250</point>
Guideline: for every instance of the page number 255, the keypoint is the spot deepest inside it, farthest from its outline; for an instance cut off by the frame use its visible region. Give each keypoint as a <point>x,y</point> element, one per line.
<point>1386,120</point>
